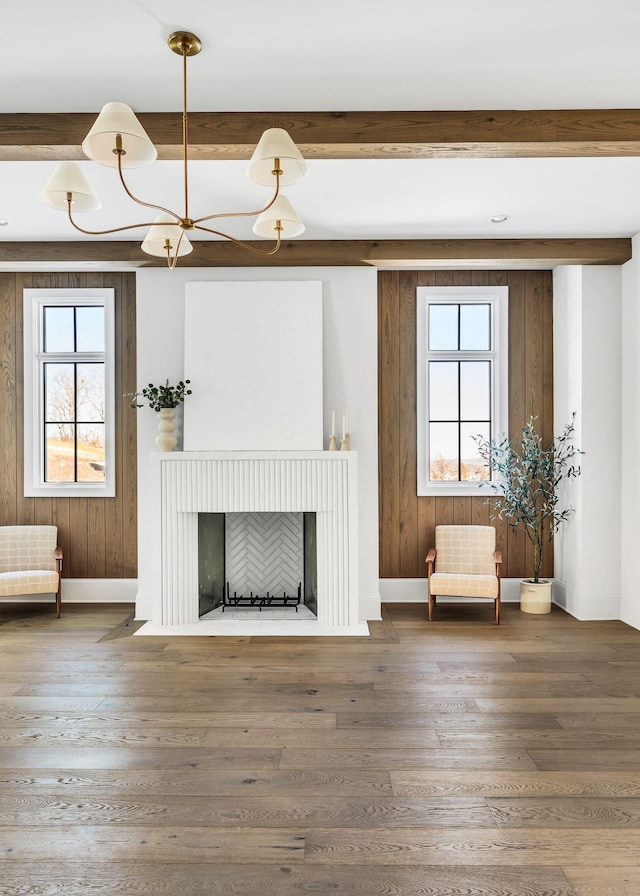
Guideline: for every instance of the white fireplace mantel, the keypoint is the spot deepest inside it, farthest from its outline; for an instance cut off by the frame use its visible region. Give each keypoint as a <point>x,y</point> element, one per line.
<point>192,482</point>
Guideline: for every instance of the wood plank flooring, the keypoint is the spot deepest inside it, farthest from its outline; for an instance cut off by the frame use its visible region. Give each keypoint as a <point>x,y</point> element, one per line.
<point>455,758</point>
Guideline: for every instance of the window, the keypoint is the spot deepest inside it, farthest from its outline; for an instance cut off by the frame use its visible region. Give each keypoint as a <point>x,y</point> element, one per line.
<point>69,392</point>
<point>461,383</point>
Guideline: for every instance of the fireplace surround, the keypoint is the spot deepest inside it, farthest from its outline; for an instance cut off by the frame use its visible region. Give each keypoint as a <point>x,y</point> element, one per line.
<point>193,482</point>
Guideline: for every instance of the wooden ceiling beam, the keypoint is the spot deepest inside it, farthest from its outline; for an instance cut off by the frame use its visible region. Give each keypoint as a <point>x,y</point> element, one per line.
<point>377,253</point>
<point>347,135</point>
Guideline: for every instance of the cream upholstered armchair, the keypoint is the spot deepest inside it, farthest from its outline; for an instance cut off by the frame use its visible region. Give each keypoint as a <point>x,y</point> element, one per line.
<point>30,561</point>
<point>464,563</point>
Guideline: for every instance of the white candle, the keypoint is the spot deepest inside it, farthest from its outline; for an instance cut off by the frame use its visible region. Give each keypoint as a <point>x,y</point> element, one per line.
<point>333,423</point>
<point>344,424</point>
<point>346,420</point>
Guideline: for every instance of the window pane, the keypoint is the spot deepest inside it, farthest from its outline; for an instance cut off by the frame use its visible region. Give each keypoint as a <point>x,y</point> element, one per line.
<point>475,390</point>
<point>472,466</point>
<point>90,379</point>
<point>59,392</point>
<point>91,452</point>
<point>443,328</point>
<point>443,451</point>
<point>58,329</point>
<point>443,390</point>
<point>475,328</point>
<point>89,329</point>
<point>59,452</point>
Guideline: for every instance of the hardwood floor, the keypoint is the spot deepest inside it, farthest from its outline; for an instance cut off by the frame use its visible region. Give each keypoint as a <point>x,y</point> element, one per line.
<point>455,758</point>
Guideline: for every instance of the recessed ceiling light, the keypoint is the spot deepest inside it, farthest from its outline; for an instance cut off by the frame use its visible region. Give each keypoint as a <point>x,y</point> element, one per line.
<point>3,222</point>
<point>499,219</point>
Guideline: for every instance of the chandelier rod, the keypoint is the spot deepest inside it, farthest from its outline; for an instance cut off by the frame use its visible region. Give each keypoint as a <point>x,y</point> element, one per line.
<point>185,132</point>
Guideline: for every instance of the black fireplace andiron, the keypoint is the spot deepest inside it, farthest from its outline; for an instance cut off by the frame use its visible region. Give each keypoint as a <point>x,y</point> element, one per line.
<point>260,601</point>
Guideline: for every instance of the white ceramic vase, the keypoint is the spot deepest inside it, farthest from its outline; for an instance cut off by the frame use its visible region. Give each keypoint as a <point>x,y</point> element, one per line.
<point>165,440</point>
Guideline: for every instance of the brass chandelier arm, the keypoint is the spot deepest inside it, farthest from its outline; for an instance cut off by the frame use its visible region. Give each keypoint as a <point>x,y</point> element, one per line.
<point>244,245</point>
<point>159,208</point>
<point>244,214</point>
<point>171,262</point>
<point>102,232</point>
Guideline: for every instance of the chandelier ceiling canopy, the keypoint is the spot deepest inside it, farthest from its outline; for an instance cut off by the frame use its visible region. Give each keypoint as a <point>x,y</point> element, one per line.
<point>118,140</point>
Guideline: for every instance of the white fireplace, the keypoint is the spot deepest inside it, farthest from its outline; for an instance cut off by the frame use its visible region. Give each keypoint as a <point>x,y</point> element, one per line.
<point>193,482</point>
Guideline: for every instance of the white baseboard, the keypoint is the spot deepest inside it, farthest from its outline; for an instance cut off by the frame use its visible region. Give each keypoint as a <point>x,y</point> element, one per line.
<point>630,611</point>
<point>586,607</point>
<point>99,591</point>
<point>401,591</point>
<point>85,591</point>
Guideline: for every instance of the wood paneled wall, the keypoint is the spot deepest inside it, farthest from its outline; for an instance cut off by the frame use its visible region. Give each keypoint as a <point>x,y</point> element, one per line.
<point>98,535</point>
<point>406,521</point>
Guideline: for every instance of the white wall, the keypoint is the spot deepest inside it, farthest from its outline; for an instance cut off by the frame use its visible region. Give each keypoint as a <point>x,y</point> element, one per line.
<point>588,380</point>
<point>350,380</point>
<point>567,398</point>
<point>630,440</point>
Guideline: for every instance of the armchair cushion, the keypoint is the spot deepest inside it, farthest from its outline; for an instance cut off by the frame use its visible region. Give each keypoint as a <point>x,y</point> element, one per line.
<point>28,581</point>
<point>459,585</point>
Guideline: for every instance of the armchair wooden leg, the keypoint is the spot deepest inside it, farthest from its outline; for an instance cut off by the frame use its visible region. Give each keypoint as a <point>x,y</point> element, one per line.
<point>432,603</point>
<point>498,610</point>
<point>58,556</point>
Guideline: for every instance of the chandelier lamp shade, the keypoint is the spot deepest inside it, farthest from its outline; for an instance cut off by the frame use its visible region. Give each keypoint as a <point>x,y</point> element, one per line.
<point>118,140</point>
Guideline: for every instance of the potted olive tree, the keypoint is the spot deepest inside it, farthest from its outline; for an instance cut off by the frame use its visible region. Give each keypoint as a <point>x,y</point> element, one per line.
<point>527,477</point>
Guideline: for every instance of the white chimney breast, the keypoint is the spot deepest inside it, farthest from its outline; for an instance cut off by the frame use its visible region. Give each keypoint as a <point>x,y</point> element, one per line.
<point>253,353</point>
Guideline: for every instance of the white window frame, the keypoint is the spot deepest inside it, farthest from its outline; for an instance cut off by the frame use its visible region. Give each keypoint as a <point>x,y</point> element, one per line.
<point>34,301</point>
<point>498,298</point>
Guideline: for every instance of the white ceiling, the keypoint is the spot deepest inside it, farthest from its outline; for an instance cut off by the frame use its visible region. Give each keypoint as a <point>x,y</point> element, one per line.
<point>74,55</point>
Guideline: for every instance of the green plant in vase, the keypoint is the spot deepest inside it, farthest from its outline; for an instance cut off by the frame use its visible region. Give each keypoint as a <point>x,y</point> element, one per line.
<point>161,397</point>
<point>163,400</point>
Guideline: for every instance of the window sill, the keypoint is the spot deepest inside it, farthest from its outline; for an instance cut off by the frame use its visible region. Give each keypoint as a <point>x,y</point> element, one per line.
<point>70,491</point>
<point>455,490</point>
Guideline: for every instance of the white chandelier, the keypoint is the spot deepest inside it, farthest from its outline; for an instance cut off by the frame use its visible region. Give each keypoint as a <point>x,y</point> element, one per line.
<point>118,140</point>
